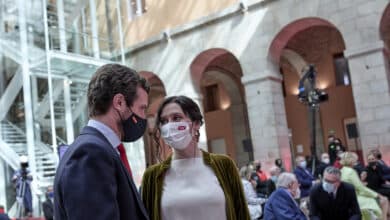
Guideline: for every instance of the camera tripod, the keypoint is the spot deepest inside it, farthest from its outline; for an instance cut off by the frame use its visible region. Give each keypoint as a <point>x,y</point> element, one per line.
<point>20,196</point>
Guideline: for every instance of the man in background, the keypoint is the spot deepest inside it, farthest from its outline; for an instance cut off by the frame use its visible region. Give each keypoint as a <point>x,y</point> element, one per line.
<point>333,199</point>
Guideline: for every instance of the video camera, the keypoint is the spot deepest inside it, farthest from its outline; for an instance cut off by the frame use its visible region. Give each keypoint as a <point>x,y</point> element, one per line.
<point>23,167</point>
<point>308,93</point>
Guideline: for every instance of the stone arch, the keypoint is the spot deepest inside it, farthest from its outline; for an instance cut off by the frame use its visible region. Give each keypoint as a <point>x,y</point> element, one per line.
<point>214,58</point>
<point>216,74</point>
<point>384,27</point>
<point>281,40</point>
<point>313,40</point>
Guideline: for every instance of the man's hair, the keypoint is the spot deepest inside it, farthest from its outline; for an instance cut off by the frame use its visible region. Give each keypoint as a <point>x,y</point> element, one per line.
<point>285,179</point>
<point>333,170</point>
<point>109,80</point>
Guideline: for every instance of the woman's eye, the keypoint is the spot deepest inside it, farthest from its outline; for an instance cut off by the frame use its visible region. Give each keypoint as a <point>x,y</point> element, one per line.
<point>177,118</point>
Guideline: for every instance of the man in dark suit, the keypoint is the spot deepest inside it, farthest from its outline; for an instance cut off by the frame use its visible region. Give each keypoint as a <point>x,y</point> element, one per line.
<point>93,179</point>
<point>304,176</point>
<point>47,205</point>
<point>282,205</point>
<point>333,199</point>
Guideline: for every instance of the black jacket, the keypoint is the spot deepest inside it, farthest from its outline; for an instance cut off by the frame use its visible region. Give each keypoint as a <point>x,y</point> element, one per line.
<point>48,209</point>
<point>344,207</point>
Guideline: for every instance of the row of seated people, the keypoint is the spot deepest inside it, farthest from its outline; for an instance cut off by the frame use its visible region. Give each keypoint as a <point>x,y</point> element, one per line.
<point>370,183</point>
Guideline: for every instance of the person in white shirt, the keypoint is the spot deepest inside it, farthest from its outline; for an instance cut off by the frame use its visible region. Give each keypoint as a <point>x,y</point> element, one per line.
<point>254,202</point>
<point>191,184</point>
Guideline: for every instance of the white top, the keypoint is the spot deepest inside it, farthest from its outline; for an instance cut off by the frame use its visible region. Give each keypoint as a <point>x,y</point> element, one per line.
<point>254,202</point>
<point>191,191</point>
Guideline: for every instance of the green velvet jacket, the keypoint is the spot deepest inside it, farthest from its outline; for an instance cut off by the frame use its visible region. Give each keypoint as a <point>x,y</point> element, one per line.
<point>227,175</point>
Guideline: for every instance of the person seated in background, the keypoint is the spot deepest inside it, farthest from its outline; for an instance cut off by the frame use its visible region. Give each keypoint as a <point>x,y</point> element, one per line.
<point>333,199</point>
<point>359,167</point>
<point>304,176</point>
<point>325,161</point>
<point>282,205</point>
<point>279,163</point>
<point>3,215</point>
<point>249,184</point>
<point>337,163</point>
<point>367,198</point>
<point>374,179</point>
<point>382,165</point>
<point>264,186</point>
<point>274,172</point>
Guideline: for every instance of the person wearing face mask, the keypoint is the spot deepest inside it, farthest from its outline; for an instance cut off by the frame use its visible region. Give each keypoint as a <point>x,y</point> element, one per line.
<point>370,202</point>
<point>94,178</point>
<point>47,205</point>
<point>281,205</point>
<point>381,164</point>
<point>375,179</point>
<point>304,176</point>
<point>264,186</point>
<point>325,161</point>
<point>333,199</point>
<point>191,184</point>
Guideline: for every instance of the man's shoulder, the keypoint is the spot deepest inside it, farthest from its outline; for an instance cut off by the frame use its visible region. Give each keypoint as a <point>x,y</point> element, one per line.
<point>347,186</point>
<point>275,196</point>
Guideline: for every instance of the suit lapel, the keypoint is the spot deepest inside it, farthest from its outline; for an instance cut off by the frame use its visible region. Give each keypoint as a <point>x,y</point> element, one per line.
<point>93,131</point>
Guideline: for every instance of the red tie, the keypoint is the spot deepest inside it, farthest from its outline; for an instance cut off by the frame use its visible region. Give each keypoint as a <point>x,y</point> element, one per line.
<point>124,160</point>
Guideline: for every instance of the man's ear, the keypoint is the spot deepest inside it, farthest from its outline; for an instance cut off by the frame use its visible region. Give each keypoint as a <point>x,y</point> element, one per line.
<point>118,101</point>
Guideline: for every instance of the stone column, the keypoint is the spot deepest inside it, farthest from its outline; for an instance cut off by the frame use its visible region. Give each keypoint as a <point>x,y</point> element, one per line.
<point>370,87</point>
<point>267,119</point>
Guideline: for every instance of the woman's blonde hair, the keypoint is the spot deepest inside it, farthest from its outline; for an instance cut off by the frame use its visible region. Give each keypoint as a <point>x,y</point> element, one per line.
<point>246,171</point>
<point>348,159</point>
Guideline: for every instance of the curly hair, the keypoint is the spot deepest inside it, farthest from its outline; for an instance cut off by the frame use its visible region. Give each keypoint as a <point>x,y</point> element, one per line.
<point>109,80</point>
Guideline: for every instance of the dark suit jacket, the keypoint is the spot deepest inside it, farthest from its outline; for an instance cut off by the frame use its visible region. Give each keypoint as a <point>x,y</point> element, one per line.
<point>92,183</point>
<point>281,206</point>
<point>47,207</point>
<point>345,206</point>
<point>4,217</point>
<point>305,179</point>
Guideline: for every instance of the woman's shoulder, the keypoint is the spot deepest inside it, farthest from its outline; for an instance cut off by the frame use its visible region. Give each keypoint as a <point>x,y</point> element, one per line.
<point>157,168</point>
<point>219,157</point>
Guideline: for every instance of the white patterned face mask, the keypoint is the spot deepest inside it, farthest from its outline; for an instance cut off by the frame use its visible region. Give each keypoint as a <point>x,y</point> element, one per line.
<point>177,134</point>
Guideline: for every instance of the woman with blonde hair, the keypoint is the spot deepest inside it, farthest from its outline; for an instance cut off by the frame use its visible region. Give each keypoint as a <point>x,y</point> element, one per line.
<point>367,198</point>
<point>249,184</point>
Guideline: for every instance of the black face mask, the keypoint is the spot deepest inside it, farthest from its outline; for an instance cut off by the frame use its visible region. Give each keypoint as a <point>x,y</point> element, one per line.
<point>133,128</point>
